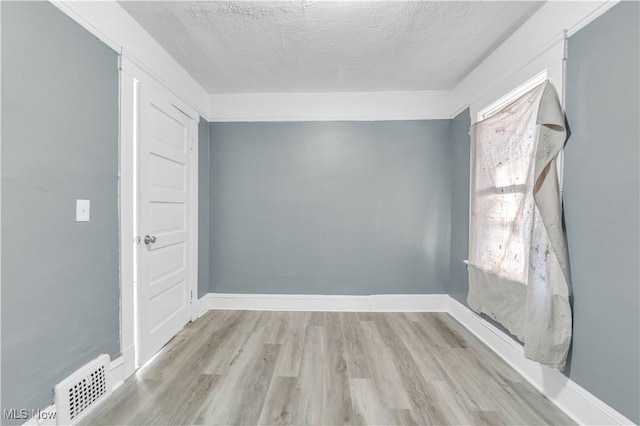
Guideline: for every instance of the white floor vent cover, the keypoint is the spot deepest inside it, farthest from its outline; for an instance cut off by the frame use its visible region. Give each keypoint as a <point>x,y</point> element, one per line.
<point>81,391</point>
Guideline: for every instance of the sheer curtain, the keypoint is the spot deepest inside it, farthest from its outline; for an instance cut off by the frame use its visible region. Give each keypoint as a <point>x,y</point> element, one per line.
<point>517,259</point>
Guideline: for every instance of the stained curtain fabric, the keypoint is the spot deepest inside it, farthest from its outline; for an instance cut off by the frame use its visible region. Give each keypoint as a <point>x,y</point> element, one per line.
<point>517,258</point>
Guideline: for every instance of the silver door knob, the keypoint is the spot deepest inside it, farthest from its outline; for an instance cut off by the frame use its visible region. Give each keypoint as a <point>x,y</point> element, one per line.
<point>149,239</point>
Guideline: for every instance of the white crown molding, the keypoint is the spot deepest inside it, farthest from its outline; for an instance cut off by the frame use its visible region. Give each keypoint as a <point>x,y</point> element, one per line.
<point>536,46</point>
<point>590,15</point>
<point>511,61</point>
<point>356,106</point>
<point>532,48</point>
<point>110,23</point>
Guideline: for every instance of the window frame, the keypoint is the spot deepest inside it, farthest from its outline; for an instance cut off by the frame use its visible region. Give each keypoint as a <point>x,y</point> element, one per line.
<point>493,108</point>
<point>497,105</point>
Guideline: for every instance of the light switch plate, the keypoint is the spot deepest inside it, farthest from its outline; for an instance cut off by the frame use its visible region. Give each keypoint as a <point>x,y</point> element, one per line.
<point>83,208</point>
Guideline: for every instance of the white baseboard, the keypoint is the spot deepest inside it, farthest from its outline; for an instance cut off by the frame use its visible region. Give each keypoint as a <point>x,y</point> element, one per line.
<point>128,362</point>
<point>117,372</point>
<point>333,303</point>
<point>578,403</point>
<point>202,305</point>
<point>47,415</point>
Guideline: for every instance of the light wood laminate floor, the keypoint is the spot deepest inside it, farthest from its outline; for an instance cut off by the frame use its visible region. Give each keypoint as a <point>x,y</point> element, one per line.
<point>329,368</point>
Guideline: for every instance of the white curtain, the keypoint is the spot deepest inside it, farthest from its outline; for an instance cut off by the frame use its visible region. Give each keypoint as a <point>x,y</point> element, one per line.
<point>517,260</point>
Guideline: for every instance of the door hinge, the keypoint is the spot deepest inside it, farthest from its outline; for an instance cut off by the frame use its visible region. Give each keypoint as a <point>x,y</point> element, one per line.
<point>191,296</point>
<point>192,142</point>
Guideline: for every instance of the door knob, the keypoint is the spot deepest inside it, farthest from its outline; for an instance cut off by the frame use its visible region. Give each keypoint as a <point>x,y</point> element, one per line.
<point>149,239</point>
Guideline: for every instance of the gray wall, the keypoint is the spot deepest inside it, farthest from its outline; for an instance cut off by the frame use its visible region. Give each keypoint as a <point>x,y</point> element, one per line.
<point>601,187</point>
<point>322,208</point>
<point>460,170</point>
<point>60,286</point>
<point>204,215</point>
<point>330,207</point>
<point>601,201</point>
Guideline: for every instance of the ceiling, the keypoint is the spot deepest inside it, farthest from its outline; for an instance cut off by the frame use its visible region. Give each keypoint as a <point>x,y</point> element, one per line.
<point>323,46</point>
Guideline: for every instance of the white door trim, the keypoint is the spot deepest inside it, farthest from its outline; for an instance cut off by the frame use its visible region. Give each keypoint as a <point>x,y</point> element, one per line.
<point>127,144</point>
<point>193,217</point>
<point>138,73</point>
<point>131,77</point>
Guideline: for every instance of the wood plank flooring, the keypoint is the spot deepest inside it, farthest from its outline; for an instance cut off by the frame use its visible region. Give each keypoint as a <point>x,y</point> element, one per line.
<point>326,368</point>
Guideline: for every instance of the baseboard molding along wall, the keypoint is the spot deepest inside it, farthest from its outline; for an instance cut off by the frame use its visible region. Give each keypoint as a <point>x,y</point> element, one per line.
<point>578,403</point>
<point>119,373</point>
<point>304,302</point>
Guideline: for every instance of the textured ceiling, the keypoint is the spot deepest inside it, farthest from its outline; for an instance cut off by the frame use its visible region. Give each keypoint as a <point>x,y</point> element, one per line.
<point>321,46</point>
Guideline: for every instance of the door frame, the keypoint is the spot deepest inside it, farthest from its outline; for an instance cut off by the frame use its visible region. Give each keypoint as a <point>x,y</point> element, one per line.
<point>131,79</point>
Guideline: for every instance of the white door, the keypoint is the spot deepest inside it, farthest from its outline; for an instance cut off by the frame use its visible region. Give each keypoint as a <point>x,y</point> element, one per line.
<point>164,286</point>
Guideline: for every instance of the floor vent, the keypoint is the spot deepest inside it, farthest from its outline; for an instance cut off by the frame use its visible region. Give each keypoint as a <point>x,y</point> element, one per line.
<point>81,391</point>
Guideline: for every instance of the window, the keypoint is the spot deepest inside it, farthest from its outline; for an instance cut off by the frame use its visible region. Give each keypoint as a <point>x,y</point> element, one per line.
<point>502,200</point>
<point>517,260</point>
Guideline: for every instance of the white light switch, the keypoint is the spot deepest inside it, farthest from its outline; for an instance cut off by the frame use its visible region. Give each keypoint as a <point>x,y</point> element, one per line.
<point>82,210</point>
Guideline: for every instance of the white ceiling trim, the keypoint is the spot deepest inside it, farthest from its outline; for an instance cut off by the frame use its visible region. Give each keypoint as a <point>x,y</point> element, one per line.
<point>110,23</point>
<point>252,46</point>
<point>531,48</point>
<point>535,46</point>
<point>356,106</point>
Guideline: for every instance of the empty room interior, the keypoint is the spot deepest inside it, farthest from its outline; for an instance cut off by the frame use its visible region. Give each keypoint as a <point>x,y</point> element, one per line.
<point>320,212</point>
